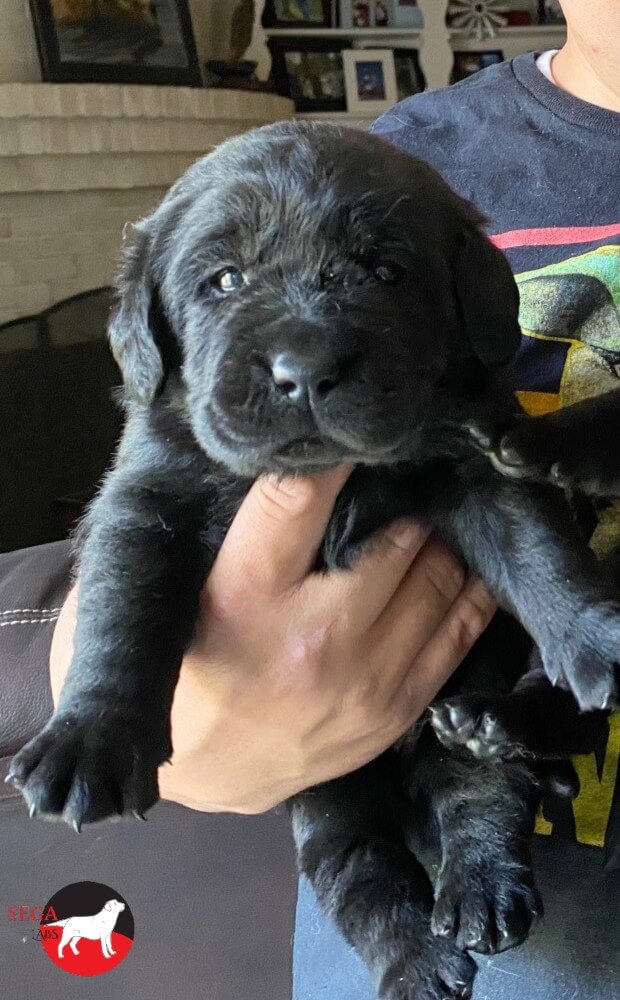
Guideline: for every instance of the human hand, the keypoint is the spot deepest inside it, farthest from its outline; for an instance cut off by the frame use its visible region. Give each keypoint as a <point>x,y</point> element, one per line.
<point>296,677</point>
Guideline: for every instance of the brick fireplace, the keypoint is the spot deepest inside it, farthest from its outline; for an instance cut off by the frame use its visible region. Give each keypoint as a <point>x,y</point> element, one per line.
<point>79,161</point>
<point>76,163</point>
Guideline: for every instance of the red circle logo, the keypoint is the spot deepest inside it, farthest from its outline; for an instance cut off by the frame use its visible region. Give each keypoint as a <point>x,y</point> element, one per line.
<point>87,928</point>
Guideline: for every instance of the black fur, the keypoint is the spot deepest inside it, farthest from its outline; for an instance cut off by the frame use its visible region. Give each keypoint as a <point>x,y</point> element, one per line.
<point>371,282</point>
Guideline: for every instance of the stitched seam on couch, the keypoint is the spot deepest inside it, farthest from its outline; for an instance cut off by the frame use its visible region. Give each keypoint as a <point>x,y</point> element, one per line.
<point>29,621</point>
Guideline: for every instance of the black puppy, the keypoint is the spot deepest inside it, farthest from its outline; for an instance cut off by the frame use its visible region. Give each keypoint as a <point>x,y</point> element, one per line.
<point>308,295</point>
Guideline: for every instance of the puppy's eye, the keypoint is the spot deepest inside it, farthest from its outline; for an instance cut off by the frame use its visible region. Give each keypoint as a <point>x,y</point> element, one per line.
<point>389,274</point>
<point>228,280</point>
<point>328,275</point>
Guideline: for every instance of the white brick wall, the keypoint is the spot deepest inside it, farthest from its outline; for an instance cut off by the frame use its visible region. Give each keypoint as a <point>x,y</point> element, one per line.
<point>79,162</point>
<point>66,245</point>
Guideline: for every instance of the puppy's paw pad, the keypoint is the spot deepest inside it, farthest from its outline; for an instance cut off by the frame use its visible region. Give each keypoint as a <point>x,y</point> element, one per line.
<point>85,769</point>
<point>485,432</point>
<point>474,724</point>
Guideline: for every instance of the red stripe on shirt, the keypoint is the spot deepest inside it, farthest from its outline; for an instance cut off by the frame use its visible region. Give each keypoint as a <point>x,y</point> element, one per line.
<point>554,236</point>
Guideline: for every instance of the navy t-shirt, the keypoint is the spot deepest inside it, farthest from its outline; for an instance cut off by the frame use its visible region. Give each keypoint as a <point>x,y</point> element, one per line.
<point>544,167</point>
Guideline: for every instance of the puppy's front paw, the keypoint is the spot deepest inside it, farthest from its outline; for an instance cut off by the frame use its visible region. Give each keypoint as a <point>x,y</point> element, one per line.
<point>439,972</point>
<point>487,904</point>
<point>586,660</point>
<point>530,448</point>
<point>477,725</point>
<point>83,768</point>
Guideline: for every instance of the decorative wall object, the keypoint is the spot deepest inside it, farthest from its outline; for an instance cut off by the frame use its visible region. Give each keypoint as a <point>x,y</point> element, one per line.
<point>370,80</point>
<point>241,29</point>
<point>468,63</point>
<point>235,72</point>
<point>310,71</point>
<point>116,41</point>
<point>297,14</point>
<point>477,18</point>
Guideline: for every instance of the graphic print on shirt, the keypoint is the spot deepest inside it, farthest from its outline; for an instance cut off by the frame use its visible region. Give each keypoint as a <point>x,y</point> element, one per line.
<point>570,319</point>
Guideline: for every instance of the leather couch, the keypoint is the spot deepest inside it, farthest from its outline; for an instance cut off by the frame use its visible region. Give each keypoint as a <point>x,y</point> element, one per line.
<point>212,897</point>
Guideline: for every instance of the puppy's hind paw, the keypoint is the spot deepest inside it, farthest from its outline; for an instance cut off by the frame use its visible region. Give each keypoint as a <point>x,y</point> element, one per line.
<point>84,769</point>
<point>487,905</point>
<point>440,972</point>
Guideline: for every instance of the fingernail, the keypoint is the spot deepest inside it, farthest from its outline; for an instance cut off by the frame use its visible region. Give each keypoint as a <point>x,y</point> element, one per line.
<point>403,534</point>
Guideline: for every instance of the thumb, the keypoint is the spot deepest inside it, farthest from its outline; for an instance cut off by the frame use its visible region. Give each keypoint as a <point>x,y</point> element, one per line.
<point>273,541</point>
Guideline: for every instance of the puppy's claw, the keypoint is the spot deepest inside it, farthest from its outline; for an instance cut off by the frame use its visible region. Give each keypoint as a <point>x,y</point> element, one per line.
<point>139,815</point>
<point>32,811</point>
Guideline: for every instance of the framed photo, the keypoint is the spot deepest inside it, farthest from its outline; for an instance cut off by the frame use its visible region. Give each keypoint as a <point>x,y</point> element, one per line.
<point>297,14</point>
<point>310,71</point>
<point>405,14</point>
<point>116,41</point>
<point>370,80</point>
<point>356,13</point>
<point>409,76</point>
<point>468,63</point>
<point>550,12</point>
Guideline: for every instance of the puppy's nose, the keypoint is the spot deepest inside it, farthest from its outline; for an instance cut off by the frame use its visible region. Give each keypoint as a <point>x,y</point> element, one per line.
<point>302,379</point>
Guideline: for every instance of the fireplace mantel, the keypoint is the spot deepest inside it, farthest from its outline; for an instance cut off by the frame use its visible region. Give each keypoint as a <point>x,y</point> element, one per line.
<point>78,161</point>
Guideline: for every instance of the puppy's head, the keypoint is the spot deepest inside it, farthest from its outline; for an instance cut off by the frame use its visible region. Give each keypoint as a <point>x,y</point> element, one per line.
<point>310,286</point>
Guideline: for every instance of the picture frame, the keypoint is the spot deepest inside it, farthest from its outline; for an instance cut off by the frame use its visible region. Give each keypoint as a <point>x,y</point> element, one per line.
<point>310,71</point>
<point>113,42</point>
<point>467,63</point>
<point>300,14</point>
<point>370,80</point>
<point>405,14</point>
<point>356,13</point>
<point>410,78</point>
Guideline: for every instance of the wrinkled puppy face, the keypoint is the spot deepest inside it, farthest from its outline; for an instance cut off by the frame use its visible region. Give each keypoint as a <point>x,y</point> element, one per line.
<point>315,285</point>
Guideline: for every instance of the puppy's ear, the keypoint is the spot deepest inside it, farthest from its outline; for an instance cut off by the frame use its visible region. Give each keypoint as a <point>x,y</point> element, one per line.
<point>488,298</point>
<point>130,331</point>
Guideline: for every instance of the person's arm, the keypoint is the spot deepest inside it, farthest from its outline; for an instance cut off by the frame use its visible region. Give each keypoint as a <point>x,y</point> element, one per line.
<point>296,677</point>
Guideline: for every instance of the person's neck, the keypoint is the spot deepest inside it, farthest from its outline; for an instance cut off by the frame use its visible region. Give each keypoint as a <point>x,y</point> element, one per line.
<point>591,75</point>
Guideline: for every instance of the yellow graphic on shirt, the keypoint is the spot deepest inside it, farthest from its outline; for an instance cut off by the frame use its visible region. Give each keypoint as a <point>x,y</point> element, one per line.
<point>576,302</point>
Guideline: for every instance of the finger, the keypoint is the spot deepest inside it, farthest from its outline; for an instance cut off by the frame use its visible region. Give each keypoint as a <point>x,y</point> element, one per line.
<point>417,610</point>
<point>61,651</point>
<point>363,592</point>
<point>273,541</point>
<point>461,628</point>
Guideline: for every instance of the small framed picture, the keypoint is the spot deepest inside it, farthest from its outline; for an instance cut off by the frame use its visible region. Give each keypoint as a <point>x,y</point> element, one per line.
<point>382,14</point>
<point>370,80</point>
<point>356,13</point>
<point>550,12</point>
<point>409,76</point>
<point>116,42</point>
<point>468,63</point>
<point>297,14</point>
<point>310,71</point>
<point>405,14</point>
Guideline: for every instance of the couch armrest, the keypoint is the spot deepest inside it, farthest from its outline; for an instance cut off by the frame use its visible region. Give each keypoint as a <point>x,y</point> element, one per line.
<point>33,585</point>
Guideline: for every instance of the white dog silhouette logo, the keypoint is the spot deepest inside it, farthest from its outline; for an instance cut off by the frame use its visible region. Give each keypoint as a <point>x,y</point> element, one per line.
<point>99,927</point>
<point>87,929</point>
